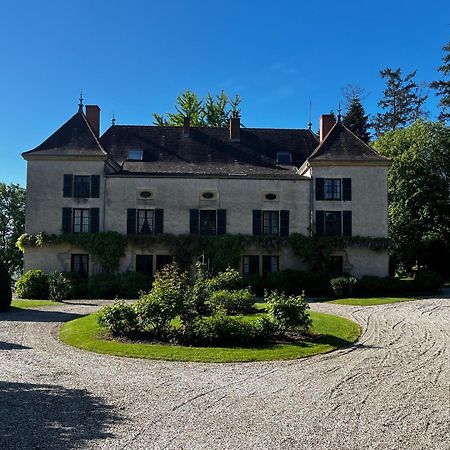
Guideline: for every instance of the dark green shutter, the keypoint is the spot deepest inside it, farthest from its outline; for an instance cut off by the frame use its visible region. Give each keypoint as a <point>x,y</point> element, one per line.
<point>159,221</point>
<point>131,221</point>
<point>221,221</point>
<point>320,189</point>
<point>346,189</point>
<point>95,186</point>
<point>67,220</point>
<point>320,223</point>
<point>284,223</point>
<point>68,186</point>
<point>257,222</point>
<point>346,223</point>
<point>193,221</point>
<point>94,225</point>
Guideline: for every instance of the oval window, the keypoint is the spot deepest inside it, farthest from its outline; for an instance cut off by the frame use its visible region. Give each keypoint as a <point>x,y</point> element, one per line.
<point>145,194</point>
<point>271,196</point>
<point>208,195</point>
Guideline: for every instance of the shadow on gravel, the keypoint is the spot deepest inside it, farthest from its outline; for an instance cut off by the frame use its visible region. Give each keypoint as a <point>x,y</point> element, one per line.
<point>11,346</point>
<point>34,315</point>
<point>40,416</point>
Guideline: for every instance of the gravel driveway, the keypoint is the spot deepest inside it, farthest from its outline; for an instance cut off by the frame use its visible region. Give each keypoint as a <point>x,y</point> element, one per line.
<point>390,391</point>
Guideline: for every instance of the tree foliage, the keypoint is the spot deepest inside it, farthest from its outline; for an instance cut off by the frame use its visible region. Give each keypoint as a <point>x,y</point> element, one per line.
<point>442,86</point>
<point>210,111</point>
<point>356,120</point>
<point>418,190</point>
<point>402,104</point>
<point>12,225</point>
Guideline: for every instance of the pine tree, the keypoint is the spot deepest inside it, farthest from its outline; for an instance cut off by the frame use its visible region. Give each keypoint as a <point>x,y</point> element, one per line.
<point>442,87</point>
<point>356,120</point>
<point>403,102</point>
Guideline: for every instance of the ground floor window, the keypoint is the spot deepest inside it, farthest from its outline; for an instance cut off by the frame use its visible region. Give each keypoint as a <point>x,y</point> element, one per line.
<point>144,264</point>
<point>336,265</point>
<point>270,264</point>
<point>80,264</point>
<point>250,264</point>
<point>163,260</point>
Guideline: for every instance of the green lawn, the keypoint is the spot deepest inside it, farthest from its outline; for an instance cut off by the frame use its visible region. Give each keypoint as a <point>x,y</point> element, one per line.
<point>30,304</point>
<point>331,332</point>
<point>371,301</point>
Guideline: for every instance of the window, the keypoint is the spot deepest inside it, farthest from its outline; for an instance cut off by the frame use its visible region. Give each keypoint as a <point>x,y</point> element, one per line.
<point>81,186</point>
<point>332,223</point>
<point>284,158</point>
<point>332,189</point>
<point>145,221</point>
<point>80,221</point>
<point>144,264</point>
<point>162,261</point>
<point>270,264</point>
<point>250,264</point>
<point>208,222</point>
<point>80,264</point>
<point>135,155</point>
<point>271,222</point>
<point>336,265</point>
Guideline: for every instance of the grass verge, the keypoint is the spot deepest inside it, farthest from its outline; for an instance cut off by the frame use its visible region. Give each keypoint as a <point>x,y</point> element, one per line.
<point>330,332</point>
<point>371,301</point>
<point>30,304</point>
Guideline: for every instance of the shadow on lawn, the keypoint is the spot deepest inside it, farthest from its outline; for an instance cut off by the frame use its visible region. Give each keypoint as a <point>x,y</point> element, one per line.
<point>35,315</point>
<point>40,416</point>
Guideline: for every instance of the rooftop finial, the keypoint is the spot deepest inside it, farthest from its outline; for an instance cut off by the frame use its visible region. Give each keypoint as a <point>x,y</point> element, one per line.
<point>113,119</point>
<point>339,111</point>
<point>310,109</point>
<point>80,105</point>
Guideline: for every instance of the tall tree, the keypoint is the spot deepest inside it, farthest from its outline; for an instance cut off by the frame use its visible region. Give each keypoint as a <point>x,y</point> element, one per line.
<point>402,104</point>
<point>12,225</point>
<point>211,111</point>
<point>356,120</point>
<point>442,87</point>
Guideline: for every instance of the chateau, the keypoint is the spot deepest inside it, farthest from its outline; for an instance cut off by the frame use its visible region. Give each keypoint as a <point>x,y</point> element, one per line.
<point>209,181</point>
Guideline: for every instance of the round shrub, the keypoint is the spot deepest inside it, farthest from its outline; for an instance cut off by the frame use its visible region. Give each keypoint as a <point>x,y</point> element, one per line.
<point>343,286</point>
<point>371,286</point>
<point>5,288</point>
<point>78,285</point>
<point>33,284</point>
<point>132,283</point>
<point>230,279</point>
<point>104,285</point>
<point>119,318</point>
<point>233,302</point>
<point>59,286</point>
<point>295,282</point>
<point>428,280</point>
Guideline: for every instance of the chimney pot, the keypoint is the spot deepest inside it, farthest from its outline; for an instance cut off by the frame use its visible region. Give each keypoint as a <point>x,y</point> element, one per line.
<point>186,127</point>
<point>235,129</point>
<point>326,124</point>
<point>93,117</point>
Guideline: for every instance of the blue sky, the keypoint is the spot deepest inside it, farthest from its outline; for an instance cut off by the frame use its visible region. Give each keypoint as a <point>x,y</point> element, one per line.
<point>134,57</point>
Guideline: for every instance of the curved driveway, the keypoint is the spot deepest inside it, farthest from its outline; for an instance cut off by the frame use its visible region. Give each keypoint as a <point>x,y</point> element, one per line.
<point>389,391</point>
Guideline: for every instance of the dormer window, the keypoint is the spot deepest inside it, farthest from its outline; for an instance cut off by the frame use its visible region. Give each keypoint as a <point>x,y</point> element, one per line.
<point>135,155</point>
<point>284,158</point>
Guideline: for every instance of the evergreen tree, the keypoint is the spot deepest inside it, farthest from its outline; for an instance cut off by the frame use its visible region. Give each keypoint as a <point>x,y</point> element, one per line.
<point>442,87</point>
<point>356,120</point>
<point>403,102</point>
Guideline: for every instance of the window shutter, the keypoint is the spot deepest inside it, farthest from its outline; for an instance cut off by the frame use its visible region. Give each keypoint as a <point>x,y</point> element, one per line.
<point>159,221</point>
<point>320,223</point>
<point>221,221</point>
<point>94,226</point>
<point>346,223</point>
<point>193,221</point>
<point>257,222</point>
<point>346,189</point>
<point>95,186</point>
<point>284,223</point>
<point>67,186</point>
<point>67,220</point>
<point>131,221</point>
<point>320,189</point>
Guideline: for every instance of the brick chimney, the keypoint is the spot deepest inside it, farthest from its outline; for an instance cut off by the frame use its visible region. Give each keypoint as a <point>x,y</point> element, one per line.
<point>235,129</point>
<point>326,124</point>
<point>186,127</point>
<point>93,117</point>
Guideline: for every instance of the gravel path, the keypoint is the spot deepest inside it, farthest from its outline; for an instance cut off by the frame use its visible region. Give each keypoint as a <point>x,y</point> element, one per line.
<point>390,391</point>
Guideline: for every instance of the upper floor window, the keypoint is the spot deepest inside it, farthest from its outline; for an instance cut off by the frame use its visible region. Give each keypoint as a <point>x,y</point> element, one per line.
<point>81,186</point>
<point>334,223</point>
<point>332,188</point>
<point>145,221</point>
<point>135,155</point>
<point>81,221</point>
<point>271,222</point>
<point>284,158</point>
<point>209,222</point>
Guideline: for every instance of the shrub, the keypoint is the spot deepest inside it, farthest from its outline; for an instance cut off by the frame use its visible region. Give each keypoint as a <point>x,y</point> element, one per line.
<point>119,318</point>
<point>59,286</point>
<point>78,285</point>
<point>104,285</point>
<point>233,302</point>
<point>33,284</point>
<point>5,288</point>
<point>428,280</point>
<point>287,313</point>
<point>255,283</point>
<point>343,286</point>
<point>230,280</point>
<point>295,282</point>
<point>369,285</point>
<point>132,283</point>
